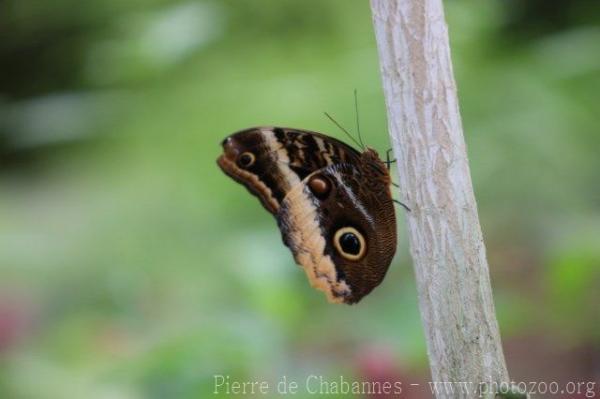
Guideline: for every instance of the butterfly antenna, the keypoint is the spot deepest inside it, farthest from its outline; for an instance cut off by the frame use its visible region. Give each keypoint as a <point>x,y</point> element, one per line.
<point>357,121</point>
<point>344,130</point>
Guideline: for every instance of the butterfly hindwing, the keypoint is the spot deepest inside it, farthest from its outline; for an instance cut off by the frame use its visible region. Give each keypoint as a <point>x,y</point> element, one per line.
<point>342,234</point>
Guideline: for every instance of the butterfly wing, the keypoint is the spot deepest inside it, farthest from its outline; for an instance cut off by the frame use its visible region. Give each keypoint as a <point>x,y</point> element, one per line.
<point>270,161</point>
<point>332,203</point>
<point>340,226</point>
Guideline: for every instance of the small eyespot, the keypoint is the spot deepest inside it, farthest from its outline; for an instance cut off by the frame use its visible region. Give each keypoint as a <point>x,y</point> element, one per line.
<point>319,186</point>
<point>246,159</point>
<point>350,243</point>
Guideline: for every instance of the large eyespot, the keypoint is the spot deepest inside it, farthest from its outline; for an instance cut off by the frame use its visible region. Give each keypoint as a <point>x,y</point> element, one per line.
<point>350,243</point>
<point>246,159</point>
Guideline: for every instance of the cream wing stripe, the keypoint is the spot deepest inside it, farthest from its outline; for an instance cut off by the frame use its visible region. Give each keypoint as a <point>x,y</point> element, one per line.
<point>309,246</point>
<point>289,177</point>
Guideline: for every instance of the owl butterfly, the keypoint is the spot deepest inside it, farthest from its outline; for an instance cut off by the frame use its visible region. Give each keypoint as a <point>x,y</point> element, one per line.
<point>332,203</point>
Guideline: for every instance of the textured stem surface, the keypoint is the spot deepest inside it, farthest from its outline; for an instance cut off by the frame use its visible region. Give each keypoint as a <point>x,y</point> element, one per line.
<point>446,244</point>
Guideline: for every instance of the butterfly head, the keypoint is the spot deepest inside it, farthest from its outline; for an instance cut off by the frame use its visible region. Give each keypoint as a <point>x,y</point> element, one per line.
<point>377,169</point>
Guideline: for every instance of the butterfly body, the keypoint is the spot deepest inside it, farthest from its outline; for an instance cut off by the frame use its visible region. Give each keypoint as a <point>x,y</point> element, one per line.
<point>332,203</point>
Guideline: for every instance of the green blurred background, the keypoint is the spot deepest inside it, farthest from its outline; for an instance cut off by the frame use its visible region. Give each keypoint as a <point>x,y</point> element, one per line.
<point>131,267</point>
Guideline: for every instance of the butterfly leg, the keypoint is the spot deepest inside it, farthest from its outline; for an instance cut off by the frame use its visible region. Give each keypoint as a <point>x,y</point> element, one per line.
<point>403,205</point>
<point>398,202</point>
<point>388,162</point>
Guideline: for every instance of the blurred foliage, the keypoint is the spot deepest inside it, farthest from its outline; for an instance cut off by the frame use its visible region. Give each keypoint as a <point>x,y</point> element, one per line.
<point>132,268</point>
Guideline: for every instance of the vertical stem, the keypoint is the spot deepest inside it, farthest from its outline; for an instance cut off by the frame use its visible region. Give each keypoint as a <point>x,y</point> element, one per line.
<point>446,243</point>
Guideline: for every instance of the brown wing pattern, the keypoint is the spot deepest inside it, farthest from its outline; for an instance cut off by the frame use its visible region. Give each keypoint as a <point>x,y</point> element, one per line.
<point>333,204</point>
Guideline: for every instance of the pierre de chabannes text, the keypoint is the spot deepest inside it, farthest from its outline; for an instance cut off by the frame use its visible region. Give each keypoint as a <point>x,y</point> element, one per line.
<point>320,385</point>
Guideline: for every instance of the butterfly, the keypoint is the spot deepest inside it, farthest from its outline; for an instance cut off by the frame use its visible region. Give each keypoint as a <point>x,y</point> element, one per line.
<point>332,203</point>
